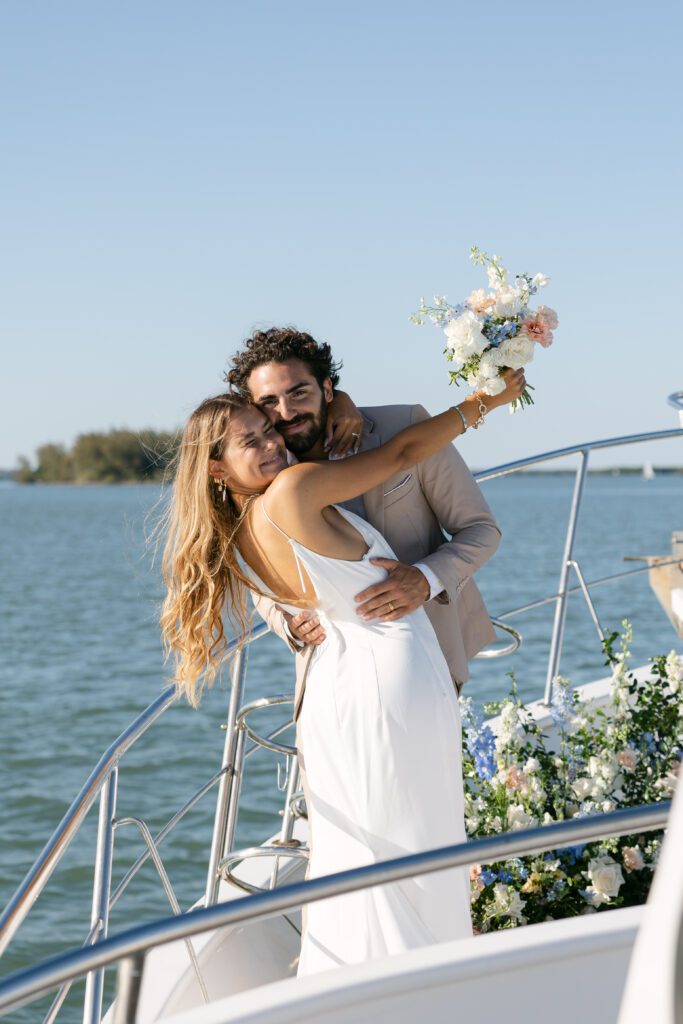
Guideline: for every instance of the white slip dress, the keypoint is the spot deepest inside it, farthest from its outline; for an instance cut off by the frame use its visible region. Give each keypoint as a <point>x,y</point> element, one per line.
<point>380,728</point>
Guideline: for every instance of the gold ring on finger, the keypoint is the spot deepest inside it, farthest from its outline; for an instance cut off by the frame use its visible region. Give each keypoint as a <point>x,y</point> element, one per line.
<point>391,606</point>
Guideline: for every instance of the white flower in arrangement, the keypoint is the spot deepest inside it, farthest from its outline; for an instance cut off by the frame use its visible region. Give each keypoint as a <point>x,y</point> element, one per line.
<point>507,302</point>
<point>508,731</point>
<point>674,668</point>
<point>582,788</point>
<point>606,880</point>
<point>507,903</point>
<point>531,765</point>
<point>496,275</point>
<point>519,818</point>
<point>516,352</point>
<point>464,335</point>
<point>540,280</point>
<point>667,785</point>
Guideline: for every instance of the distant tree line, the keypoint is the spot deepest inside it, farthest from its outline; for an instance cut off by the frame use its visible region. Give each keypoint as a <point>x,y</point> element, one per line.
<point>119,456</point>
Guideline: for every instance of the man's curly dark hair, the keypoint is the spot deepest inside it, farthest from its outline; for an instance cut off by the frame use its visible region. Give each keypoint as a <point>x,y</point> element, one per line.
<point>279,345</point>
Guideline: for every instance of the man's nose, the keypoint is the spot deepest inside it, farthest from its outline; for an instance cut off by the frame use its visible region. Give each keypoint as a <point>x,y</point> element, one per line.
<point>285,409</point>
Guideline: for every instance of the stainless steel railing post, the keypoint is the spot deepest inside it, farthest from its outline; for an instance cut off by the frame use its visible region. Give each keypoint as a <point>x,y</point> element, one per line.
<point>561,603</point>
<point>128,989</point>
<point>101,892</point>
<point>288,819</point>
<point>225,787</point>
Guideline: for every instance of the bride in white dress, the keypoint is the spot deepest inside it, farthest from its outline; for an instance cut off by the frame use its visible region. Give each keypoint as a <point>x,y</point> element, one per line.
<point>380,721</point>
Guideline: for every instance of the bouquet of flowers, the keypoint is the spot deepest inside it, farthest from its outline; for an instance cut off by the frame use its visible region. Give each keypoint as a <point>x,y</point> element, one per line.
<point>492,331</point>
<point>623,755</point>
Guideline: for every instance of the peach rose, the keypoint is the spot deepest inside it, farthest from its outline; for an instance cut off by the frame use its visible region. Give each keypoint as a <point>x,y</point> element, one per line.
<point>479,301</point>
<point>633,858</point>
<point>514,778</point>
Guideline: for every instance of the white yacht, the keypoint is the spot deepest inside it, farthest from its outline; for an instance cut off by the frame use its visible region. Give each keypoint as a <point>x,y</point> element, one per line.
<point>232,958</point>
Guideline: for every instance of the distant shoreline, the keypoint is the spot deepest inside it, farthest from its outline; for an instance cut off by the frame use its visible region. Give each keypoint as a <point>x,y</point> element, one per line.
<point>8,476</point>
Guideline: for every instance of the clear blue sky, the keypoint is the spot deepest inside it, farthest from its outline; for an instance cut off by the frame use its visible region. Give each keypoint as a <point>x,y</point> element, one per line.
<point>175,173</point>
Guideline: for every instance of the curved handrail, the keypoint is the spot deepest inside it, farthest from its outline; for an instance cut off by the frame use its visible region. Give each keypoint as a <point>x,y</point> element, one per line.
<point>22,986</point>
<point>676,400</point>
<point>42,869</point>
<point>575,449</point>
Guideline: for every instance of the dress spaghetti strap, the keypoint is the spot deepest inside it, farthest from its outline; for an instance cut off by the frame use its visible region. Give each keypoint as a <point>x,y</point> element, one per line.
<point>292,544</point>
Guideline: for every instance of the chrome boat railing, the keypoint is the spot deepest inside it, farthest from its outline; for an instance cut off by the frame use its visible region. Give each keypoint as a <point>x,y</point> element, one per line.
<point>103,780</point>
<point>568,561</point>
<point>130,947</point>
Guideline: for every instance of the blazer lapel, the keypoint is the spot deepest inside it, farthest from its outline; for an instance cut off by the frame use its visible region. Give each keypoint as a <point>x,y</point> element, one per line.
<point>374,498</point>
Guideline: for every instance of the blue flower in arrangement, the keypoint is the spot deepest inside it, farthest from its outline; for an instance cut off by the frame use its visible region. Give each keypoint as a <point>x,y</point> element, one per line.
<point>505,876</point>
<point>489,877</point>
<point>481,743</point>
<point>572,853</point>
<point>562,706</point>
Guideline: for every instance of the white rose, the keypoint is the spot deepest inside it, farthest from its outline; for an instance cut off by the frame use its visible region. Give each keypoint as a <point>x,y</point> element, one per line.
<point>518,818</point>
<point>508,302</point>
<point>606,878</point>
<point>532,765</point>
<point>465,337</point>
<point>582,788</point>
<point>516,352</point>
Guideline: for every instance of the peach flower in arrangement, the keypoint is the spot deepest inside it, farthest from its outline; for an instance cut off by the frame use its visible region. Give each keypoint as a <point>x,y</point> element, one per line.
<point>479,301</point>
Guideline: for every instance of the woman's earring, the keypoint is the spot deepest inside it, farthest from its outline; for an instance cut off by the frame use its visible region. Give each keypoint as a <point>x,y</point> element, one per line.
<point>222,487</point>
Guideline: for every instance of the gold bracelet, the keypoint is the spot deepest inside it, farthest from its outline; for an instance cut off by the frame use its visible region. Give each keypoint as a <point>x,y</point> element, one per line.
<point>482,414</point>
<point>461,414</point>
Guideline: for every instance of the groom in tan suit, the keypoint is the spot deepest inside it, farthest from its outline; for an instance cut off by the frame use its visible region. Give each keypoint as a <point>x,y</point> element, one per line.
<point>434,516</point>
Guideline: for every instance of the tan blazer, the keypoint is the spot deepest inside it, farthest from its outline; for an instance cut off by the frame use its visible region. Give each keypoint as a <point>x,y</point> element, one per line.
<point>412,510</point>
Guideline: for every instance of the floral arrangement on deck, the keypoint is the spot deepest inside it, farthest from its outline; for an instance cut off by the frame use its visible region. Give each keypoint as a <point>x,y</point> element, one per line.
<point>492,331</point>
<point>626,754</point>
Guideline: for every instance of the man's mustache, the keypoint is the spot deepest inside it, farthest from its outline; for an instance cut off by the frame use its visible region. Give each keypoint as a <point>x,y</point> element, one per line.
<point>303,418</point>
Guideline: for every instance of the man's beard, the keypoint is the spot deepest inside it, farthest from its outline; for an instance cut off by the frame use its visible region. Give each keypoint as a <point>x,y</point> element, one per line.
<point>302,442</point>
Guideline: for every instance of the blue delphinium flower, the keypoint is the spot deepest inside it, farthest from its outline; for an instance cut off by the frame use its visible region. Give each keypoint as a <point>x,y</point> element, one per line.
<point>505,876</point>
<point>562,706</point>
<point>488,877</point>
<point>572,853</point>
<point>481,743</point>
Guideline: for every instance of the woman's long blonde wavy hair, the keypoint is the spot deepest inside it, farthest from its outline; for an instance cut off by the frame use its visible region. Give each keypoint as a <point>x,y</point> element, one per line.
<point>200,565</point>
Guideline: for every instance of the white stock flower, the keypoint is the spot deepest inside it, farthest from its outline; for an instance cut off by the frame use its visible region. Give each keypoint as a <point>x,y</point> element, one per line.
<point>495,279</point>
<point>508,730</point>
<point>464,336</point>
<point>674,671</point>
<point>606,879</point>
<point>516,352</point>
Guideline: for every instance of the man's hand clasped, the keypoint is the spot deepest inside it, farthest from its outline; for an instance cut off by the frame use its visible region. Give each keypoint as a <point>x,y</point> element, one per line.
<point>404,590</point>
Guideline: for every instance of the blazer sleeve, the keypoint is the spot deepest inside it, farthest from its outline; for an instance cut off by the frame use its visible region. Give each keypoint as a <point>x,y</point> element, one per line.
<point>456,499</point>
<point>276,621</point>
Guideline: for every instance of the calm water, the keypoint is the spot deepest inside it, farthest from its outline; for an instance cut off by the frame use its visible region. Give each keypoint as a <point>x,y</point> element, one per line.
<point>81,657</point>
